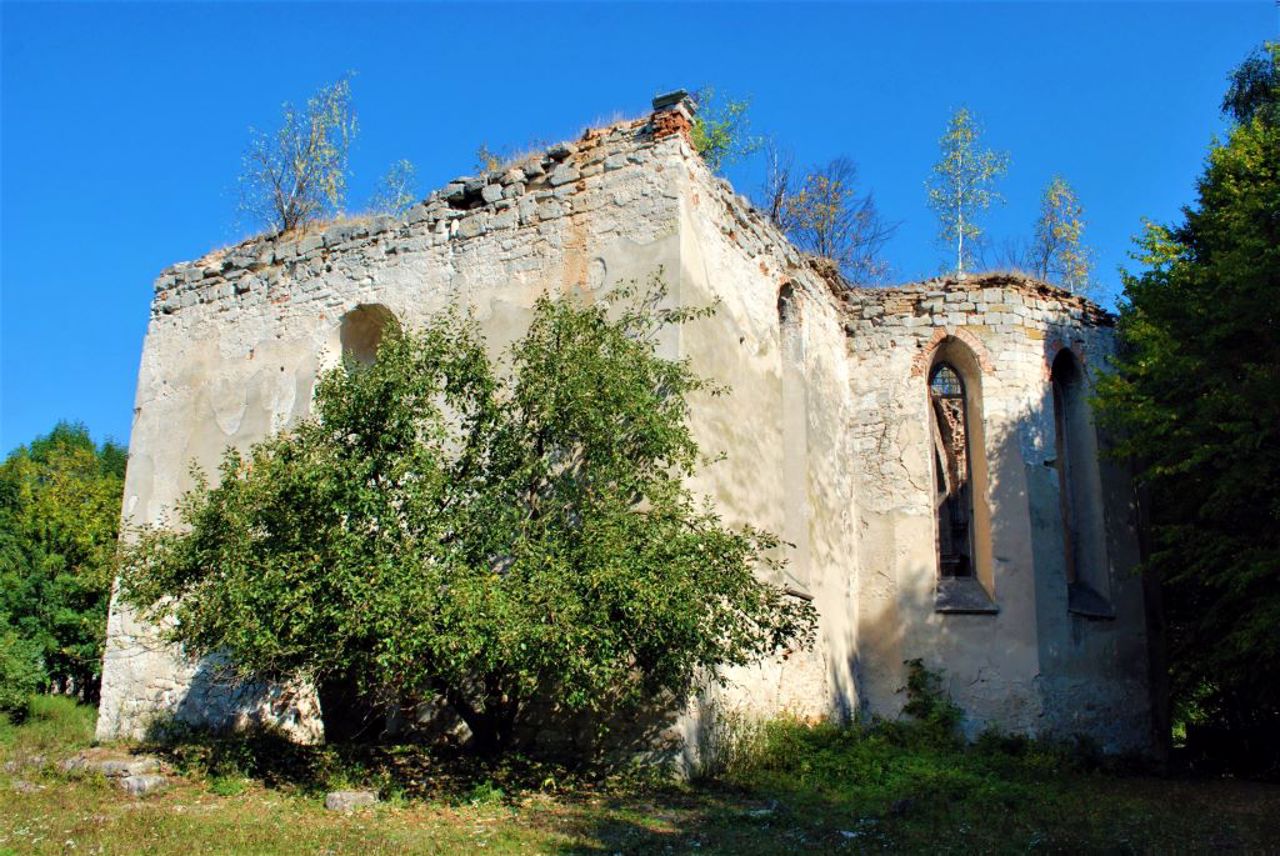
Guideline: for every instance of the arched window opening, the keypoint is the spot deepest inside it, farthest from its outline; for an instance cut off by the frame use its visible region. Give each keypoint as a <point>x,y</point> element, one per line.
<point>962,518</point>
<point>362,330</point>
<point>953,490</point>
<point>1065,382</point>
<point>1079,491</point>
<point>793,411</point>
<point>788,310</point>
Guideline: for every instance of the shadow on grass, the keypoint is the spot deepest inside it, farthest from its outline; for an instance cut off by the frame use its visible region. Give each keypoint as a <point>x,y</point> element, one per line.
<point>902,788</point>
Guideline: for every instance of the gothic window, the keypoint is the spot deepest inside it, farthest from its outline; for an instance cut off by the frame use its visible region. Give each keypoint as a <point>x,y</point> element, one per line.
<point>792,413</point>
<point>1079,491</point>
<point>953,489</point>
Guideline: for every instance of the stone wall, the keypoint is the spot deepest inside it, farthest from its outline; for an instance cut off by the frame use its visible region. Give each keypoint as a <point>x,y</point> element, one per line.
<point>825,430</point>
<point>1030,664</point>
<point>237,338</point>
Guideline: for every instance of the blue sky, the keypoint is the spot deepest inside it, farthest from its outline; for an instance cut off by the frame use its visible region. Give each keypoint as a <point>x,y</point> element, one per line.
<point>123,126</point>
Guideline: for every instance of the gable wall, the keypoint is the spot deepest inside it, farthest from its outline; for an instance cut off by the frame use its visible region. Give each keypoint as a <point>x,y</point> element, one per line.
<point>824,428</point>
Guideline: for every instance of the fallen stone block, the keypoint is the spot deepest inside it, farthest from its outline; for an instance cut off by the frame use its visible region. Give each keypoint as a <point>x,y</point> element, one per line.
<point>114,768</point>
<point>349,800</point>
<point>137,786</point>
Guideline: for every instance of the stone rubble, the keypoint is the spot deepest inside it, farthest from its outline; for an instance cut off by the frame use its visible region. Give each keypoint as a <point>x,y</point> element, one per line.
<point>349,800</point>
<point>136,775</point>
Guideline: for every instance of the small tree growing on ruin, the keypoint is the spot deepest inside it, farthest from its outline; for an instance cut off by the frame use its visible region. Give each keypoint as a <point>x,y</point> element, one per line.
<point>721,130</point>
<point>828,216</point>
<point>490,538</point>
<point>300,172</point>
<point>1058,252</point>
<point>397,190</point>
<point>824,213</point>
<point>963,185</point>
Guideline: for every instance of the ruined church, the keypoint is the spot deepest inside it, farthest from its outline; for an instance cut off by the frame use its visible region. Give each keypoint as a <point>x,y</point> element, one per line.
<point>929,450</point>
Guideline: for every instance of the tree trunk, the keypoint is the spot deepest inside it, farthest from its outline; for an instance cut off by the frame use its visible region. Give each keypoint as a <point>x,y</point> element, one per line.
<point>349,716</point>
<point>492,728</point>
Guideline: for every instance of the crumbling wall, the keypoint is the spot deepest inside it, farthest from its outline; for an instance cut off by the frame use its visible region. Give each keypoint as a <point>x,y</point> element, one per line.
<point>236,341</point>
<point>1027,664</point>
<point>825,430</point>
<point>777,341</point>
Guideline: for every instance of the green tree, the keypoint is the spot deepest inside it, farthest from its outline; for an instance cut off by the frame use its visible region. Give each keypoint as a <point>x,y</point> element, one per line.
<point>1197,399</point>
<point>963,185</point>
<point>59,516</point>
<point>721,130</point>
<point>1058,253</point>
<point>397,190</point>
<point>22,672</point>
<point>443,529</point>
<point>299,173</point>
<point>1254,85</point>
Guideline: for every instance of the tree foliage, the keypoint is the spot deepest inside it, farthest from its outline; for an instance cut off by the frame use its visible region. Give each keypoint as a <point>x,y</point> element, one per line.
<point>487,160</point>
<point>1254,86</point>
<point>1197,399</point>
<point>299,173</point>
<point>59,517</point>
<point>826,214</point>
<point>490,538</point>
<point>397,190</point>
<point>963,185</point>
<point>1058,252</point>
<point>721,130</point>
<point>22,672</point>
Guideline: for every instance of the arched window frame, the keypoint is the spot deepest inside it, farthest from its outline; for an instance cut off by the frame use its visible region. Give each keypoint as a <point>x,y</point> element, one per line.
<point>975,591</point>
<point>1081,505</point>
<point>360,331</point>
<point>793,414</point>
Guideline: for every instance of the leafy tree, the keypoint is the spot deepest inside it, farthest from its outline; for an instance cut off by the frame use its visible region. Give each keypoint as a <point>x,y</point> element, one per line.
<point>59,517</point>
<point>721,130</point>
<point>488,538</point>
<point>779,184</point>
<point>397,190</point>
<point>826,215</point>
<point>299,173</point>
<point>1058,253</point>
<point>22,672</point>
<point>962,184</point>
<point>1254,86</point>
<point>1197,399</point>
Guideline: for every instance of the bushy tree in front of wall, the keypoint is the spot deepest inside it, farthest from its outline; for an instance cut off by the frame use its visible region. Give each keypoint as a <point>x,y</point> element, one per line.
<point>1197,397</point>
<point>497,536</point>
<point>59,517</point>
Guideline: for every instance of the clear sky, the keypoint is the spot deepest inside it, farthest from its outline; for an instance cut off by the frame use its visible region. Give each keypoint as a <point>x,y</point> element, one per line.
<point>123,126</point>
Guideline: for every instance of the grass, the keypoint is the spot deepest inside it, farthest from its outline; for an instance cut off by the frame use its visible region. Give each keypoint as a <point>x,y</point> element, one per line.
<point>785,787</point>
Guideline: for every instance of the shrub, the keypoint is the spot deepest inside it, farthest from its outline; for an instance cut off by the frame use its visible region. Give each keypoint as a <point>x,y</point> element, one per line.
<point>22,674</point>
<point>496,539</point>
<point>928,702</point>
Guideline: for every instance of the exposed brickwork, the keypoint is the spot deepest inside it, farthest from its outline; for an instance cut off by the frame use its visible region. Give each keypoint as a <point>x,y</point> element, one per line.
<point>667,123</point>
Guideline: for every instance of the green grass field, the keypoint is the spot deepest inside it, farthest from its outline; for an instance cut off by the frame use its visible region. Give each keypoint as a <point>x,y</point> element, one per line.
<point>786,788</point>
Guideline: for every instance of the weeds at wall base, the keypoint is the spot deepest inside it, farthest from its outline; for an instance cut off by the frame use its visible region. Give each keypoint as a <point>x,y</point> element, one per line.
<point>788,787</point>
